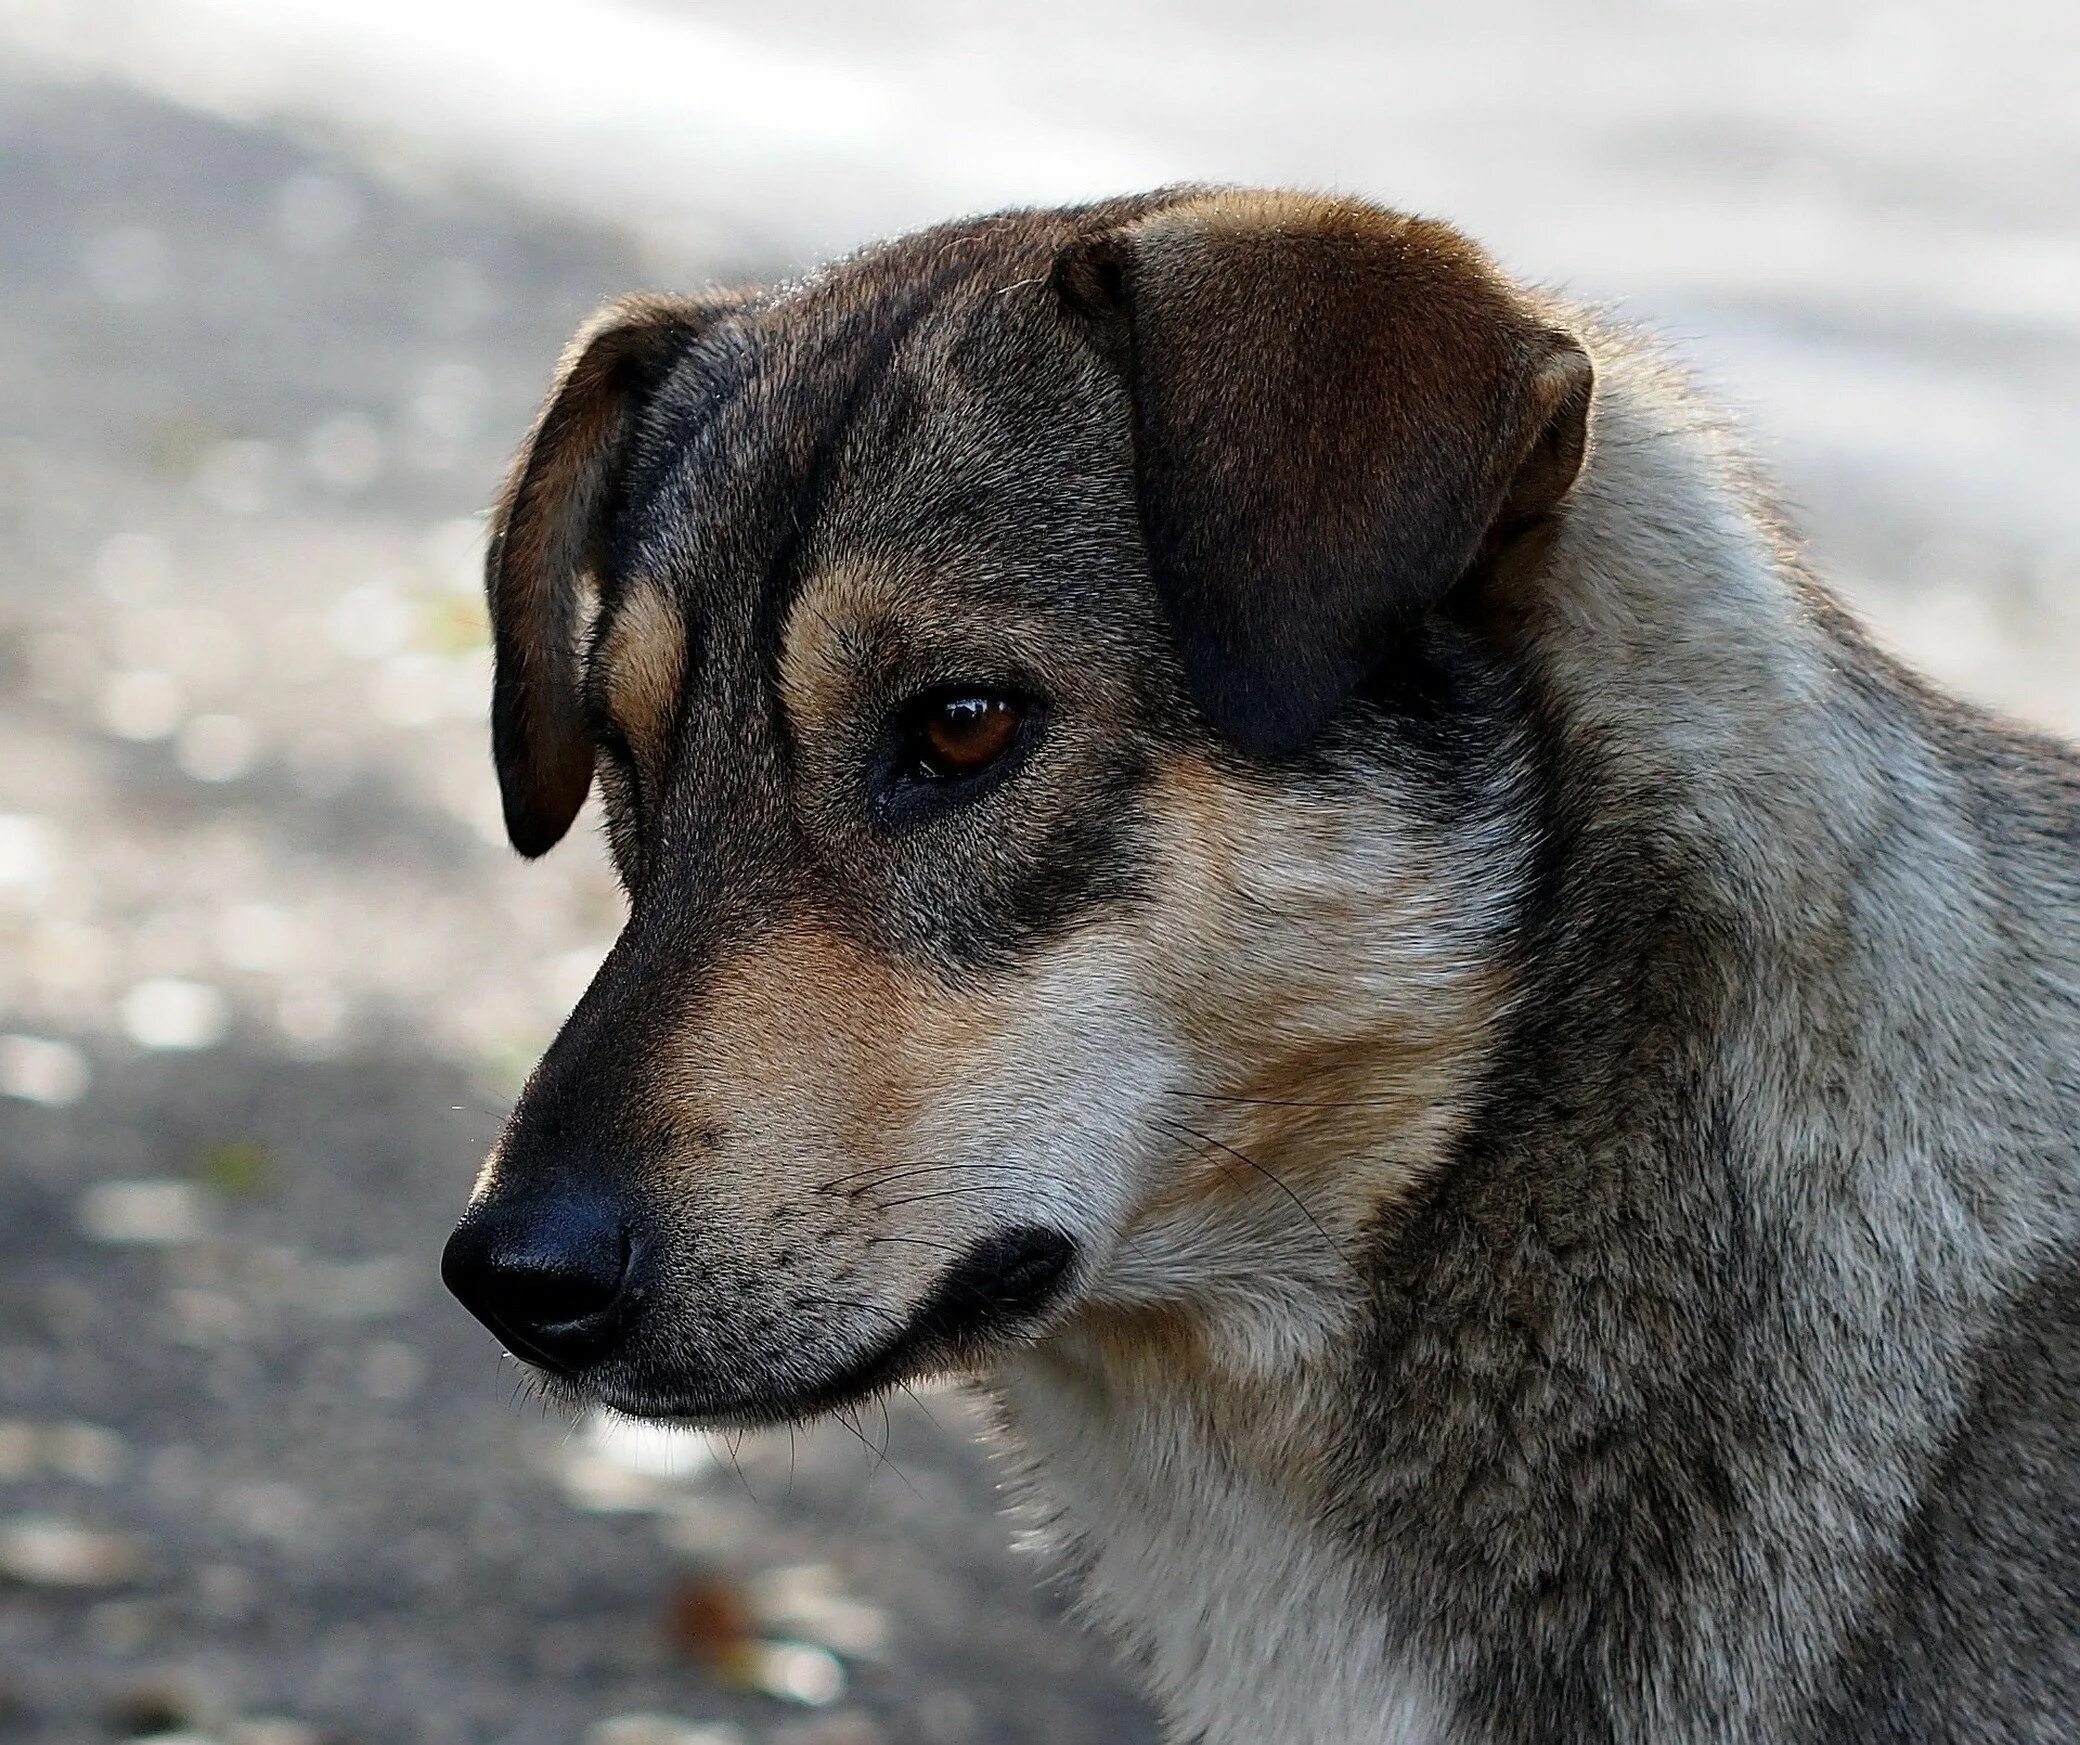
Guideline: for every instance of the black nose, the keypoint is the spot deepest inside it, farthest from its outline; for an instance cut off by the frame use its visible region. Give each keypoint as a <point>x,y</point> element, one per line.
<point>552,1277</point>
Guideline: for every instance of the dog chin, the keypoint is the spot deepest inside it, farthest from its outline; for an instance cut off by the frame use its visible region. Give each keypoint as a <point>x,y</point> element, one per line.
<point>1004,1288</point>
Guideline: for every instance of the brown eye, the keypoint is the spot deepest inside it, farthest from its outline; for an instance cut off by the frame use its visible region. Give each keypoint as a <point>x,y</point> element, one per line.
<point>965,733</point>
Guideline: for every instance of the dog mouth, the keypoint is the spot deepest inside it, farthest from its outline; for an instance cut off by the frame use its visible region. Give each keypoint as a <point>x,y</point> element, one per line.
<point>1000,1288</point>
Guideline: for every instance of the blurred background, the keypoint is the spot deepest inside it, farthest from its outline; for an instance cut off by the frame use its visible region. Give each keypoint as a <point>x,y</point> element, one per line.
<point>280,281</point>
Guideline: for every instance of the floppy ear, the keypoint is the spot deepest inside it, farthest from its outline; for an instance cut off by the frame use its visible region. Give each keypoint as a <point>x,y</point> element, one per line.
<point>1335,409</point>
<point>546,539</point>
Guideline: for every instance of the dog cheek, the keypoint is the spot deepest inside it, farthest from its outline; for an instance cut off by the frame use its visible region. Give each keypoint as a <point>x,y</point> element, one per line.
<point>1070,1095</point>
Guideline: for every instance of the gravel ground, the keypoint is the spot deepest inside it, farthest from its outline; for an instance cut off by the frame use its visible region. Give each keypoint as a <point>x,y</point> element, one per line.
<point>268,973</point>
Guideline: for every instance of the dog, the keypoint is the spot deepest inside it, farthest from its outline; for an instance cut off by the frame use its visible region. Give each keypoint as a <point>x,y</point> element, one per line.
<point>1251,834</point>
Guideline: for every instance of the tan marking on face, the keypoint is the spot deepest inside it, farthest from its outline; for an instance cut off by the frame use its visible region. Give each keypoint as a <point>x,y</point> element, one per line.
<point>826,639</point>
<point>834,1044</point>
<point>1330,978</point>
<point>644,662</point>
<point>818,1062</point>
<point>872,1122</point>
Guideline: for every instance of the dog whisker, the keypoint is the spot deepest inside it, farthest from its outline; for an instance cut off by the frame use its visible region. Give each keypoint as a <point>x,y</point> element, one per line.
<point>920,1199</point>
<point>1279,1183</point>
<point>876,1177</point>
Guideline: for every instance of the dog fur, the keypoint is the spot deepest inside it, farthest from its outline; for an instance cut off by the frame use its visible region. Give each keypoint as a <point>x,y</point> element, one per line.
<point>1557,1062</point>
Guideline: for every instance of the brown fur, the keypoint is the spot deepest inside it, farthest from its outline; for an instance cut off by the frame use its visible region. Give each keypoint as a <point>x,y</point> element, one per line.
<point>1421,404</point>
<point>642,667</point>
<point>545,534</point>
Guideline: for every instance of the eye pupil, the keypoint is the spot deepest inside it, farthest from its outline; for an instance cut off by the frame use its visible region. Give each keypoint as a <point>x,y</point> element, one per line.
<point>963,734</point>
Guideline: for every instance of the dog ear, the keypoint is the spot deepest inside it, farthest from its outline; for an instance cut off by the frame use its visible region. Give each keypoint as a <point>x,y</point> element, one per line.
<point>546,542</point>
<point>1336,409</point>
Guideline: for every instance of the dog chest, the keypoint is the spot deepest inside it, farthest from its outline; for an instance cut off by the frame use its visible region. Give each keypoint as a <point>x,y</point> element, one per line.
<point>1252,1623</point>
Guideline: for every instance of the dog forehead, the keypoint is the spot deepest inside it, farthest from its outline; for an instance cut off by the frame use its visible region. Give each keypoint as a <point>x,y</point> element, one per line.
<point>925,400</point>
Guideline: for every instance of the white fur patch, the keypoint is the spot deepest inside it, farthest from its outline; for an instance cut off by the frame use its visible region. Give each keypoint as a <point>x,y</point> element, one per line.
<point>1252,1627</point>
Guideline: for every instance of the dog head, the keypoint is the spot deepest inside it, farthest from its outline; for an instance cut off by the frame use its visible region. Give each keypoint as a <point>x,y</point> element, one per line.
<point>1060,791</point>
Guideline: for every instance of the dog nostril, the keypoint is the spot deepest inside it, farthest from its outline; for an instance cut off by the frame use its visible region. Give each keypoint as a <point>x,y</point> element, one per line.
<point>560,1292</point>
<point>549,1278</point>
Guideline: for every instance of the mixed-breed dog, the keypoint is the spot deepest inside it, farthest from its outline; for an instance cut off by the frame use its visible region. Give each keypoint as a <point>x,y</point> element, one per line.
<point>1251,834</point>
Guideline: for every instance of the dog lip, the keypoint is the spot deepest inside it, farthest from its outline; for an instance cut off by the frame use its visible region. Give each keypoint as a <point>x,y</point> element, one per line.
<point>1001,1284</point>
<point>1001,1280</point>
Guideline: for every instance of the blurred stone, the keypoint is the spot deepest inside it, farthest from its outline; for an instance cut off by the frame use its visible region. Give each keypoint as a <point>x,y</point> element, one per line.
<point>207,1318</point>
<point>808,1600</point>
<point>170,1012</point>
<point>87,1452</point>
<point>653,1729</point>
<point>216,748</point>
<point>38,1069</point>
<point>947,1717</point>
<point>62,665</point>
<point>845,1729</point>
<point>202,649</point>
<point>567,975</point>
<point>454,297</point>
<point>716,1527</point>
<point>296,649</point>
<point>25,1368</point>
<point>71,957</point>
<point>260,938</point>
<point>270,1730</point>
<point>448,401</point>
<point>177,1476</point>
<point>797,1672</point>
<point>409,690</point>
<point>323,762</point>
<point>601,1488</point>
<point>168,942</point>
<point>28,849</point>
<point>124,1627</point>
<point>50,1551</point>
<point>311,1013</point>
<point>269,1509</point>
<point>453,551</point>
<point>660,1450</point>
<point>227,1592</point>
<point>142,706</point>
<point>618,1466</point>
<point>143,1213</point>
